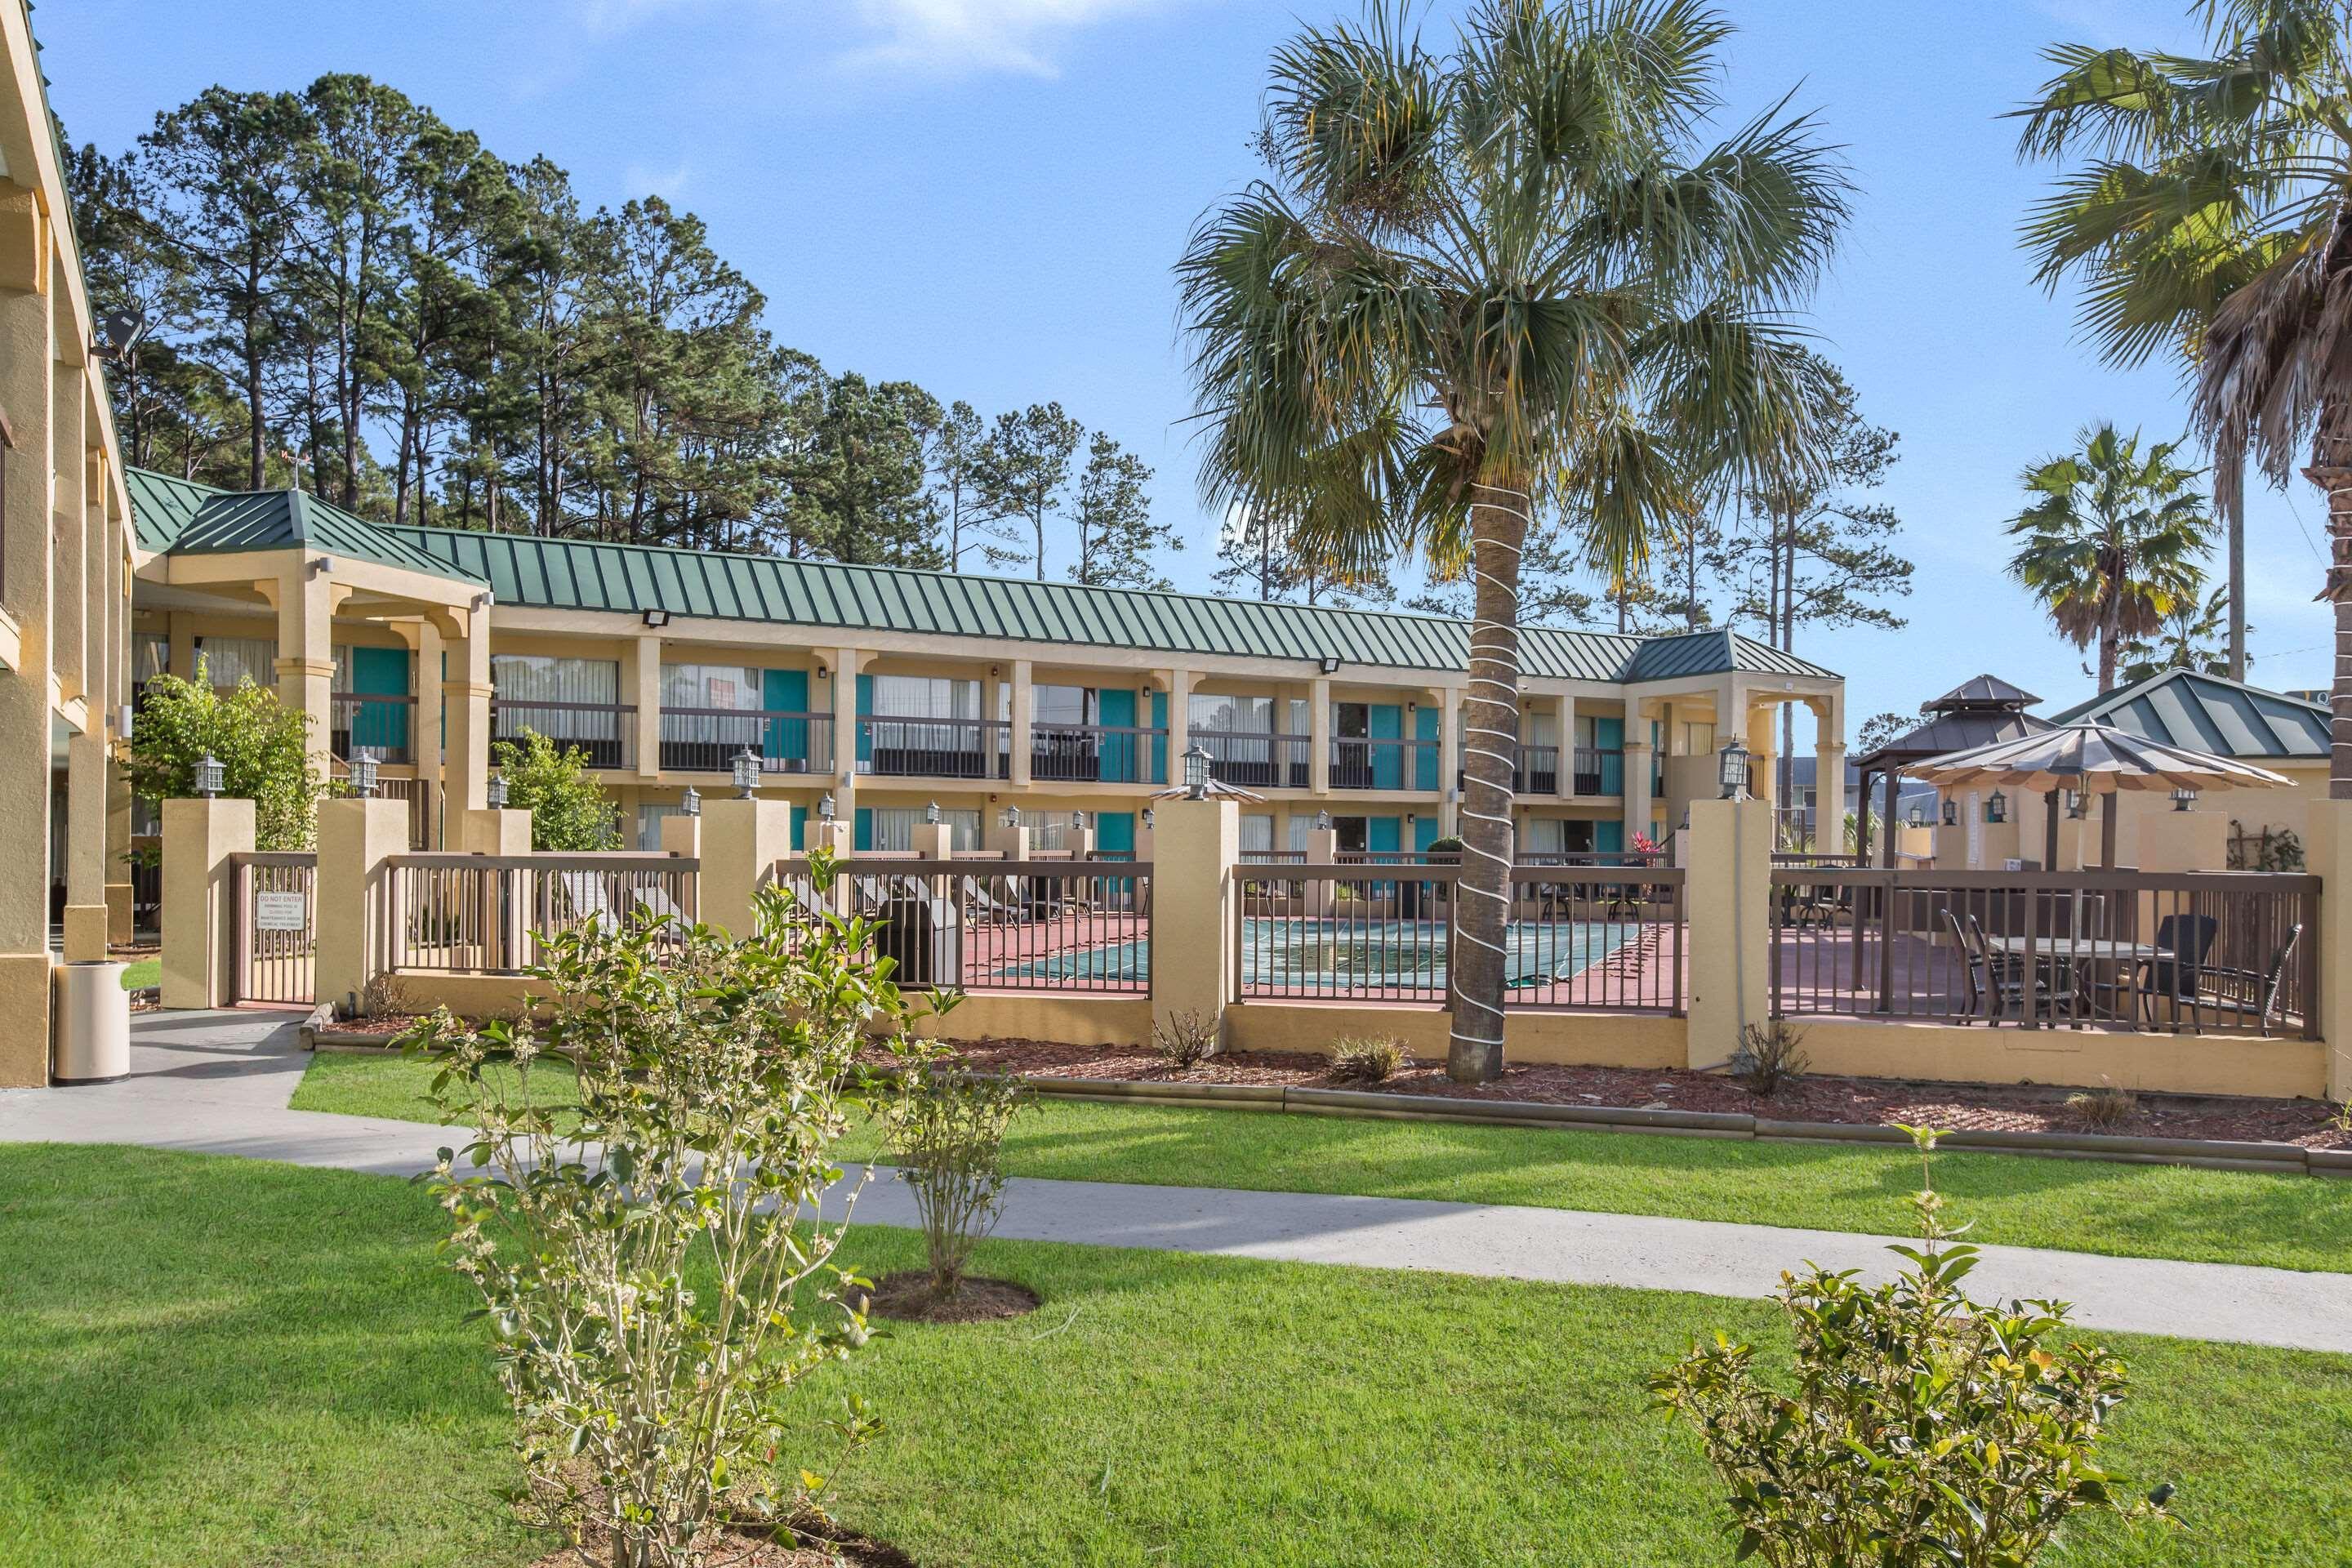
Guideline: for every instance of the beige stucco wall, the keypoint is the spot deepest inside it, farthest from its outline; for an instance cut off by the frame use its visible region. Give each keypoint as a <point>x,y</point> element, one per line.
<point>2179,1064</point>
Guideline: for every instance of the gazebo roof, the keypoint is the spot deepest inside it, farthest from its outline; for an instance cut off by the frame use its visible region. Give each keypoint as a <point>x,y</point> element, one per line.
<point>1984,691</point>
<point>1959,729</point>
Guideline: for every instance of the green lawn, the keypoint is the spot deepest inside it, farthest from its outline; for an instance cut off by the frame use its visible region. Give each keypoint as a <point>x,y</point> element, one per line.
<point>142,972</point>
<point>2142,1211</point>
<point>235,1363</point>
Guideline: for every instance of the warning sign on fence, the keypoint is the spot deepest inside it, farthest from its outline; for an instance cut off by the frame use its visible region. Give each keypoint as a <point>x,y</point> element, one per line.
<point>281,911</point>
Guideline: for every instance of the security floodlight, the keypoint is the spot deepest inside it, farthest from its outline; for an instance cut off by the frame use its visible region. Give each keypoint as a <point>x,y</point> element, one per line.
<point>1329,666</point>
<point>1196,771</point>
<point>657,618</point>
<point>690,802</point>
<point>211,778</point>
<point>1732,772</point>
<point>118,335</point>
<point>747,774</point>
<point>495,792</point>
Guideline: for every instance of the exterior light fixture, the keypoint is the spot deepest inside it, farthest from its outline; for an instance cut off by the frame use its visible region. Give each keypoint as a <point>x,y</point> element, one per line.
<point>1149,815</point>
<point>931,814</point>
<point>690,802</point>
<point>1328,665</point>
<point>1951,813</point>
<point>824,806</point>
<point>1997,808</point>
<point>747,774</point>
<point>1012,816</point>
<point>1196,771</point>
<point>2183,798</point>
<point>2078,805</point>
<point>1078,822</point>
<point>211,778</point>
<point>1732,770</point>
<point>1322,821</point>
<point>495,792</point>
<point>657,618</point>
<point>363,769</point>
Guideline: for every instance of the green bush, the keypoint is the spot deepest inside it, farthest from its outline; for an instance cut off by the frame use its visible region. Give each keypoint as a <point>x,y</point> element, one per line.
<point>657,1263</point>
<point>1926,1428</point>
<point>1373,1060</point>
<point>948,1142</point>
<point>570,812</point>
<point>263,748</point>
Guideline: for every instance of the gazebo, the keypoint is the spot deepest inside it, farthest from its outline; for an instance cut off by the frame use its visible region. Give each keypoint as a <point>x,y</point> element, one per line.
<point>1977,712</point>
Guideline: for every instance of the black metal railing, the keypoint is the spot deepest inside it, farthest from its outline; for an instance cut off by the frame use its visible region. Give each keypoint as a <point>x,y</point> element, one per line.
<point>1359,762</point>
<point>385,727</point>
<point>1600,770</point>
<point>708,740</point>
<point>1256,761</point>
<point>932,748</point>
<point>605,732</point>
<point>1096,754</point>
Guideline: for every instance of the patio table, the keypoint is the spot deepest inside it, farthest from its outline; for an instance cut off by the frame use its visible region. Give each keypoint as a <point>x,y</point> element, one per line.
<point>2088,951</point>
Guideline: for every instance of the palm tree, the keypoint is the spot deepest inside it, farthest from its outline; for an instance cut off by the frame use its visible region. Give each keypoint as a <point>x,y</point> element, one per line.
<point>2112,539</point>
<point>2271,115</point>
<point>1503,283</point>
<point>2147,226</point>
<point>2189,641</point>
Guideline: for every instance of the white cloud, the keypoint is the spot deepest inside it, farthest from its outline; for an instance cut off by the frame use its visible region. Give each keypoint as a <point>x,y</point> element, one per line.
<point>644,179</point>
<point>958,36</point>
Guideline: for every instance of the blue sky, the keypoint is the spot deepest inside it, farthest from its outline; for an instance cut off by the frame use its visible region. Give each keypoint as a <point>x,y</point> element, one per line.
<point>986,197</point>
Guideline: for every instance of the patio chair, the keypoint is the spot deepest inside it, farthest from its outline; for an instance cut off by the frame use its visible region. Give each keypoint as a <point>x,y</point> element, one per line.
<point>2187,938</point>
<point>1816,905</point>
<point>2009,983</point>
<point>2225,989</point>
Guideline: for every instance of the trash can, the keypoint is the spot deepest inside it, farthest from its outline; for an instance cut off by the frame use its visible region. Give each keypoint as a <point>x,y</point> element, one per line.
<point>90,1039</point>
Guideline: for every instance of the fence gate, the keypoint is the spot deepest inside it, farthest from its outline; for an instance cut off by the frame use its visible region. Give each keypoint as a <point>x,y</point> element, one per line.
<point>274,915</point>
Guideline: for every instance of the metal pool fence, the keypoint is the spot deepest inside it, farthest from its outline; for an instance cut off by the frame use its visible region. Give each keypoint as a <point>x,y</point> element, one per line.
<point>2111,950</point>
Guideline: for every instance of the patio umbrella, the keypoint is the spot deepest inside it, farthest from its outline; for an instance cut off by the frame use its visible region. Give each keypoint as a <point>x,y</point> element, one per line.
<point>1213,790</point>
<point>2089,758</point>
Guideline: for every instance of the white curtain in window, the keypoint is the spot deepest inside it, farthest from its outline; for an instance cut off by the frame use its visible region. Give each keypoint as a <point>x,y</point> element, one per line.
<point>649,829</point>
<point>1061,705</point>
<point>1545,836</point>
<point>151,655</point>
<point>894,828</point>
<point>228,660</point>
<point>729,686</point>
<point>925,696</point>
<point>1236,715</point>
<point>1301,824</point>
<point>1541,729</point>
<point>536,678</point>
<point>1257,833</point>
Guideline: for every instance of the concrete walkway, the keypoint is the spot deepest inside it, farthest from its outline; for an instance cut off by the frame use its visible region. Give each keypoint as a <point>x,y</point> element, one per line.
<point>219,1083</point>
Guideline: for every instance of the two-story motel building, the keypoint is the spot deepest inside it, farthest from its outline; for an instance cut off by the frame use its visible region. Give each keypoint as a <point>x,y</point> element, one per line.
<point>878,693</point>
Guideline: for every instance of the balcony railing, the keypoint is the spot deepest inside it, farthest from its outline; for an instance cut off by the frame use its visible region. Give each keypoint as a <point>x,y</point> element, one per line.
<point>1361,762</point>
<point>1536,770</point>
<point>606,732</point>
<point>1096,754</point>
<point>708,740</point>
<point>1600,770</point>
<point>932,748</point>
<point>1257,760</point>
<point>385,725</point>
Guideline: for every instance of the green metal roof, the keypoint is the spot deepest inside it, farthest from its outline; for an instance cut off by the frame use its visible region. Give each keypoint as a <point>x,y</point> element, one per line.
<point>828,598</point>
<point>183,518</point>
<point>2208,713</point>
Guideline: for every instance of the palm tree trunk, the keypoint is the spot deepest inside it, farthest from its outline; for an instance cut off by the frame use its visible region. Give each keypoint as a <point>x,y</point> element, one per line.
<point>2230,500</point>
<point>2331,470</point>
<point>1499,518</point>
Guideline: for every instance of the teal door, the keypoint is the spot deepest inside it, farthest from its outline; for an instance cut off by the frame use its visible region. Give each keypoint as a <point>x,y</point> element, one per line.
<point>1609,837</point>
<point>786,739</point>
<point>1115,832</point>
<point>1121,758</point>
<point>1383,834</point>
<point>1609,737</point>
<point>1159,742</point>
<point>865,709</point>
<point>383,727</point>
<point>864,839</point>
<point>799,828</point>
<point>1425,757</point>
<point>1385,722</point>
<point>1424,833</point>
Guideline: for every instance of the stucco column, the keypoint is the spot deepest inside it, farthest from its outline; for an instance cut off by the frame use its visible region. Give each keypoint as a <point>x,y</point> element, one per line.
<point>741,842</point>
<point>1198,843</point>
<point>1636,769</point>
<point>682,836</point>
<point>306,656</point>
<point>1024,719</point>
<point>465,694</point>
<point>26,370</point>
<point>501,832</point>
<point>1322,856</point>
<point>1829,797</point>
<point>199,837</point>
<point>117,844</point>
<point>1180,722</point>
<point>424,739</point>
<point>846,662</point>
<point>85,840</point>
<point>1726,896</point>
<point>1449,762</point>
<point>355,838</point>
<point>1763,751</point>
<point>1565,784</point>
<point>645,654</point>
<point>2327,854</point>
<point>1318,730</point>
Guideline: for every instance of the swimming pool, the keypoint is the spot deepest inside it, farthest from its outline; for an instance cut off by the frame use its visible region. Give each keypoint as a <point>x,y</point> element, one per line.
<point>1352,955</point>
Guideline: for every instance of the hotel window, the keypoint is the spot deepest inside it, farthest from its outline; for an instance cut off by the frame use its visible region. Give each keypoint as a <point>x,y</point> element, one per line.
<point>925,696</point>
<point>1257,833</point>
<point>571,701</point>
<point>649,821</point>
<point>1232,715</point>
<point>894,828</point>
<point>1051,704</point>
<point>1544,835</point>
<point>1698,739</point>
<point>151,655</point>
<point>228,660</point>
<point>722,685</point>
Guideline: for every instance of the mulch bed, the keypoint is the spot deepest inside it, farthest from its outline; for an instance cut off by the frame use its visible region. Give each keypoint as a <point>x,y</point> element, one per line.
<point>754,1547</point>
<point>1976,1107</point>
<point>906,1297</point>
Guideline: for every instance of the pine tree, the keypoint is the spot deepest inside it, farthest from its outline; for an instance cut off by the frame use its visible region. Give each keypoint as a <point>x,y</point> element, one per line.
<point>1025,469</point>
<point>1116,539</point>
